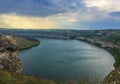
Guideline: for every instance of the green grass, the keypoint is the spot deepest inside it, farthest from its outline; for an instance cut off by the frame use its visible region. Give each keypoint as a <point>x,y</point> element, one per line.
<point>116,53</point>
<point>16,78</point>
<point>25,43</point>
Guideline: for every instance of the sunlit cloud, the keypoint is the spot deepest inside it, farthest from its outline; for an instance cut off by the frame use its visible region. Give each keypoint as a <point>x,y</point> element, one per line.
<point>18,21</point>
<point>63,14</point>
<point>107,5</point>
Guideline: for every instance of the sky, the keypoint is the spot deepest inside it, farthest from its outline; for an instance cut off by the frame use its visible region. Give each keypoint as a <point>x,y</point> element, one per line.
<point>60,14</point>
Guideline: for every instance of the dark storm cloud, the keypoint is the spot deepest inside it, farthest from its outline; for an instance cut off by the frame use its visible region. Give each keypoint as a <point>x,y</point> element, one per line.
<point>85,13</point>
<point>116,13</point>
<point>40,7</point>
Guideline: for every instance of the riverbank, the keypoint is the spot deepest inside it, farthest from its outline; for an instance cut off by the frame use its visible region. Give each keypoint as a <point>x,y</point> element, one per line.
<point>106,39</point>
<point>114,76</point>
<point>109,40</point>
<point>11,65</point>
<point>16,78</point>
<point>26,42</point>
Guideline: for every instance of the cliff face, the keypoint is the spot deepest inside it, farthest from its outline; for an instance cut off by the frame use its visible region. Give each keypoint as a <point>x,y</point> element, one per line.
<point>8,55</point>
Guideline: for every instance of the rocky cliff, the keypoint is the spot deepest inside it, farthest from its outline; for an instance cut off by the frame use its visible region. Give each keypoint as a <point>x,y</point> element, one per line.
<point>11,66</point>
<point>8,55</point>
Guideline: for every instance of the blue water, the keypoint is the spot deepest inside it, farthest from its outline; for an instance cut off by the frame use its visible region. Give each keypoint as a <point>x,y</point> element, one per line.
<point>66,59</point>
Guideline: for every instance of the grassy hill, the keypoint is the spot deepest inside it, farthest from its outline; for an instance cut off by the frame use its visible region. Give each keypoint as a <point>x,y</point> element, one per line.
<point>17,78</point>
<point>26,42</point>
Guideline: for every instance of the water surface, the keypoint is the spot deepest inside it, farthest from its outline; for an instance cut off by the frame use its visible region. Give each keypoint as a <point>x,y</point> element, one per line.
<point>66,59</point>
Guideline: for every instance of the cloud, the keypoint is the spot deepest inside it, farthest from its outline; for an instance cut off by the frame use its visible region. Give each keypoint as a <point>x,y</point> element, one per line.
<point>74,17</point>
<point>17,21</point>
<point>13,20</point>
<point>59,13</point>
<point>41,8</point>
<point>106,5</point>
<point>116,13</point>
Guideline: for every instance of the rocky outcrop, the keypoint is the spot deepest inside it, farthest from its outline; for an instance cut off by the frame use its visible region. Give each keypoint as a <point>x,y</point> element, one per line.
<point>8,55</point>
<point>113,77</point>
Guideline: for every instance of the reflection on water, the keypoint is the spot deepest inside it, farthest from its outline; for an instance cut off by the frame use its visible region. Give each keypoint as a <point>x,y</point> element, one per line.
<point>66,59</point>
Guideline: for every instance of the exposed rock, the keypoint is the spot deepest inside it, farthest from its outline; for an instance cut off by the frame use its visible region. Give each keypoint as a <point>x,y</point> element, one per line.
<point>8,54</point>
<point>113,77</point>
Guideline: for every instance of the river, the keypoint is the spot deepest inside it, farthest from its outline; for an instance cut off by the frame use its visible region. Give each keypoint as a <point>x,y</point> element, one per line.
<point>63,60</point>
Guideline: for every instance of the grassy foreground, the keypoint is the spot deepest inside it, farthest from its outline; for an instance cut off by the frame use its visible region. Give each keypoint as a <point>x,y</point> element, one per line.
<point>18,78</point>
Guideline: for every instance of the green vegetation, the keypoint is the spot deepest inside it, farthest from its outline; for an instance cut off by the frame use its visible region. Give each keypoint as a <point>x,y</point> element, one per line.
<point>16,78</point>
<point>114,37</point>
<point>25,42</point>
<point>116,53</point>
<point>108,39</point>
